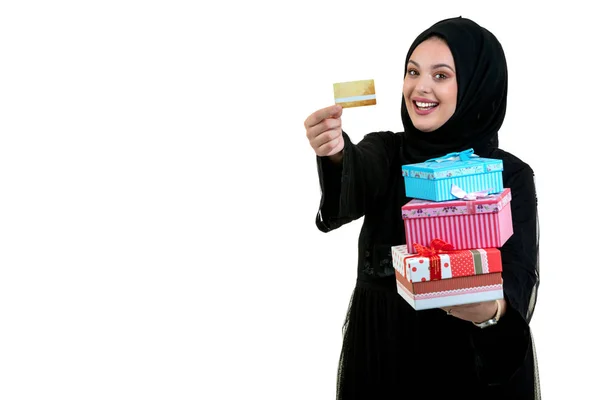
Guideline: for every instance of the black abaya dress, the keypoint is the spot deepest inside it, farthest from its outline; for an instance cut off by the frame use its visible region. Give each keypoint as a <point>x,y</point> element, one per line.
<point>389,350</point>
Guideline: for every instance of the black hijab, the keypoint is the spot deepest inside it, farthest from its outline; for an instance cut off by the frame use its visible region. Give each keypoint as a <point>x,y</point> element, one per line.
<point>482,79</point>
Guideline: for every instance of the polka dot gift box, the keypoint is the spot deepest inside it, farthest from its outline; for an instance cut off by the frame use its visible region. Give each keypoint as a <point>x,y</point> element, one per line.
<point>438,276</point>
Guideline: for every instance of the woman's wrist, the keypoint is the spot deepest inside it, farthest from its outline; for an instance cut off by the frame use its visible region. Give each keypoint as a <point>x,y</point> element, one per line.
<point>337,157</point>
<point>498,310</point>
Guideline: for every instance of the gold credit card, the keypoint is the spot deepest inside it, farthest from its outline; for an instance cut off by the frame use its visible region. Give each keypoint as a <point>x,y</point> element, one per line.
<point>355,93</point>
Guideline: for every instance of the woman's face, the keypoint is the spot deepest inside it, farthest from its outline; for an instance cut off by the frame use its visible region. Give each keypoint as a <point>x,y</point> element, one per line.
<point>430,87</point>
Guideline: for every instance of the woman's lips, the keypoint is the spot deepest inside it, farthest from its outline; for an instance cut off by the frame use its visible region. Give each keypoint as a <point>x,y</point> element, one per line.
<point>424,111</point>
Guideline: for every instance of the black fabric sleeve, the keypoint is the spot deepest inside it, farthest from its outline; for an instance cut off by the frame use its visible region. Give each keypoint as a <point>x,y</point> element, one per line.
<point>520,252</point>
<point>502,350</point>
<point>350,189</point>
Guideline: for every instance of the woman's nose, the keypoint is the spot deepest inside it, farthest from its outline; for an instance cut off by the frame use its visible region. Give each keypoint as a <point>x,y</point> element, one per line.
<point>424,84</point>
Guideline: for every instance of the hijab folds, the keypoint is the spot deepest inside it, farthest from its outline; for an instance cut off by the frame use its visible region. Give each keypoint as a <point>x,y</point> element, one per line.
<point>482,79</point>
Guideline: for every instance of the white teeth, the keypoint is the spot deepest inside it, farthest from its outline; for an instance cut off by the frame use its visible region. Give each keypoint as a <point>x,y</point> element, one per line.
<point>425,105</point>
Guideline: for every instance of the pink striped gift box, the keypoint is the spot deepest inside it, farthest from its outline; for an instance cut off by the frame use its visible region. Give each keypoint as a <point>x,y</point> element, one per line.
<point>467,224</point>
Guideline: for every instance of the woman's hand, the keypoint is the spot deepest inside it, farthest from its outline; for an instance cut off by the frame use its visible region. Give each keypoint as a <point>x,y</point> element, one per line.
<point>324,132</point>
<point>476,312</point>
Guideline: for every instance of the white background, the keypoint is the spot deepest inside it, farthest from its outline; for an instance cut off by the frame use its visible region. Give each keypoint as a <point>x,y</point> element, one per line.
<point>158,193</point>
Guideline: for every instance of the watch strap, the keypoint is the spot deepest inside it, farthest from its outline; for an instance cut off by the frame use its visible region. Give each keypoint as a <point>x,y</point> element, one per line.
<point>493,320</point>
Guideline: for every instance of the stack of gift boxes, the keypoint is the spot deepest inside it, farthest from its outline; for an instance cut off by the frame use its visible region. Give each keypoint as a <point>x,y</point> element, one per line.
<point>458,216</point>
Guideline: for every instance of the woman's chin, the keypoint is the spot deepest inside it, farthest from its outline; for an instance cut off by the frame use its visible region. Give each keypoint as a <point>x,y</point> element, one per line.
<point>426,127</point>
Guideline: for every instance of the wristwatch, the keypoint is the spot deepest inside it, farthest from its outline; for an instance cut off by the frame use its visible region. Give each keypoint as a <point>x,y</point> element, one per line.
<point>491,321</point>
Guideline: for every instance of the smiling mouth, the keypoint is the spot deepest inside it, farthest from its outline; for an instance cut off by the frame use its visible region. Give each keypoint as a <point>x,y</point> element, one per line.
<point>425,106</point>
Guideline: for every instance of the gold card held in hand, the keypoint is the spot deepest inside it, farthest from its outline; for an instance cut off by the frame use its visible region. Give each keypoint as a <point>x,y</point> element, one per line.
<point>355,93</point>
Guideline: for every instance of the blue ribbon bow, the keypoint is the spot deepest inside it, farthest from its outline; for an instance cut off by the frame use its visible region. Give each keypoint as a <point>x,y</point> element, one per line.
<point>462,156</point>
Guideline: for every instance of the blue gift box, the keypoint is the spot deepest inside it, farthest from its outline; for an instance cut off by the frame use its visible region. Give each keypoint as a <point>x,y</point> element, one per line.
<point>433,179</point>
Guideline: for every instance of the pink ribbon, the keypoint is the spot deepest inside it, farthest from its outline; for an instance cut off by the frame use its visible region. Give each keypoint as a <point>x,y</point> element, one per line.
<point>461,194</point>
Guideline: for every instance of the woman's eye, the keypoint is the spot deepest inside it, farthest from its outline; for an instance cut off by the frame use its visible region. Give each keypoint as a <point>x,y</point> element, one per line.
<point>440,76</point>
<point>412,72</point>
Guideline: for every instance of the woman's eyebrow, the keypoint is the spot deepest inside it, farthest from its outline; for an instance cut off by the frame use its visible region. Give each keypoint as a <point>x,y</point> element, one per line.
<point>442,65</point>
<point>435,66</point>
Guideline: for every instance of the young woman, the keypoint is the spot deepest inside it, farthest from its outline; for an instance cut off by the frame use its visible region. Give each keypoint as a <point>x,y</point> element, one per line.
<point>454,98</point>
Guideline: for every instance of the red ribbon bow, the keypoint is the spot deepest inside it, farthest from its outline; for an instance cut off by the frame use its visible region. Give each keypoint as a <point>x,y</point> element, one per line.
<point>437,247</point>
